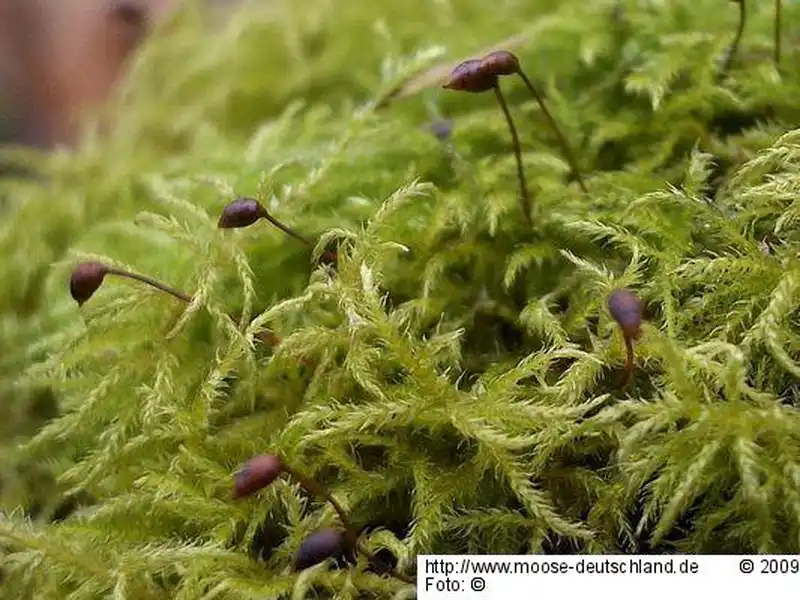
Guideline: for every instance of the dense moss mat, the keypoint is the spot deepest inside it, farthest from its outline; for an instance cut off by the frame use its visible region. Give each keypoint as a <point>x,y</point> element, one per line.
<point>455,380</point>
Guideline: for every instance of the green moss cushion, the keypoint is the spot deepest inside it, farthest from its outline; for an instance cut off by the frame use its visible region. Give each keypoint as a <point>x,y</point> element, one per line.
<point>455,380</point>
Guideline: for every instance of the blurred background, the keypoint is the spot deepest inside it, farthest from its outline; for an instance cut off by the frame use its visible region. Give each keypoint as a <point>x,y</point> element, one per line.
<point>279,91</point>
<point>59,59</point>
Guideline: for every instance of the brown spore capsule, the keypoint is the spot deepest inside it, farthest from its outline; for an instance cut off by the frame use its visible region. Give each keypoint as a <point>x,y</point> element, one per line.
<point>241,212</point>
<point>469,76</point>
<point>480,75</point>
<point>329,258</point>
<point>499,62</point>
<point>85,280</point>
<point>323,544</point>
<point>256,474</point>
<point>626,309</point>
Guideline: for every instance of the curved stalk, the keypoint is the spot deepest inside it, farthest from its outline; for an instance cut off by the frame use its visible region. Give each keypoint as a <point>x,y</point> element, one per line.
<point>777,32</point>
<point>244,212</point>
<point>525,199</point>
<point>288,230</point>
<point>733,49</point>
<point>562,140</point>
<point>628,361</point>
<point>316,489</point>
<point>151,282</point>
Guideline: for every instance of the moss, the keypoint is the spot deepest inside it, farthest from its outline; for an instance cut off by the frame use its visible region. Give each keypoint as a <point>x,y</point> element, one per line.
<point>455,379</point>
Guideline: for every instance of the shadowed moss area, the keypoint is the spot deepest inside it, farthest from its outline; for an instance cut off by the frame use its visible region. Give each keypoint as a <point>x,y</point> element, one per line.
<point>455,379</point>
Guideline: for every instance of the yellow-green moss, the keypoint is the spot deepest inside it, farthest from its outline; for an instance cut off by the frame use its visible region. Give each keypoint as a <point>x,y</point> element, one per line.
<point>463,388</point>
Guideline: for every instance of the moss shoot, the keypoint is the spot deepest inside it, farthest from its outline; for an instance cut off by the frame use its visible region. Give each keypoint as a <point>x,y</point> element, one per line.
<point>461,380</point>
